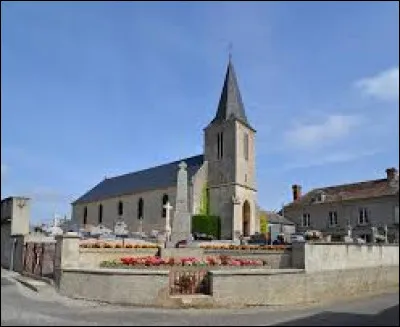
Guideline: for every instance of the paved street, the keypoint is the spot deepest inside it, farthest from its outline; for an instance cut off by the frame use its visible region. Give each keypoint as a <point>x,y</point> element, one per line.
<point>23,307</point>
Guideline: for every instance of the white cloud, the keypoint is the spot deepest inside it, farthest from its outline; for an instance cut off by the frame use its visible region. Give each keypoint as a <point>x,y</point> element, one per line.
<point>383,86</point>
<point>331,158</point>
<point>316,135</point>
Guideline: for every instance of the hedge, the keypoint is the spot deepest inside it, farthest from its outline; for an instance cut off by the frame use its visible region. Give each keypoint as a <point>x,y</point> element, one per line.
<point>210,225</point>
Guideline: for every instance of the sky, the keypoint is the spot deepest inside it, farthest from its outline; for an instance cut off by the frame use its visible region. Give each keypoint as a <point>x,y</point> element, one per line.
<point>95,89</point>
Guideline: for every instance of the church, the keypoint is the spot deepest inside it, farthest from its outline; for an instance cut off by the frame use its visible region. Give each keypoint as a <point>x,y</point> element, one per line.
<point>225,172</point>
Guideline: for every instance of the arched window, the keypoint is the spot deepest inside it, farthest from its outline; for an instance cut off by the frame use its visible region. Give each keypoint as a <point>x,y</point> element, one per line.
<point>100,213</point>
<point>140,209</point>
<point>120,208</point>
<point>164,202</point>
<point>85,215</point>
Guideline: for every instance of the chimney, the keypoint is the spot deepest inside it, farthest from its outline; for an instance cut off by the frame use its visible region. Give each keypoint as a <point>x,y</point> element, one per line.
<point>391,174</point>
<point>296,192</point>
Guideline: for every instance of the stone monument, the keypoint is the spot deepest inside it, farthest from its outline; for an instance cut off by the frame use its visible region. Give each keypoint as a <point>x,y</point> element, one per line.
<point>167,231</point>
<point>181,225</point>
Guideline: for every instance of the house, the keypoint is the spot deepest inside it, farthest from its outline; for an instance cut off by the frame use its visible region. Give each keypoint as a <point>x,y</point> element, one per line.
<point>365,207</point>
<point>277,224</point>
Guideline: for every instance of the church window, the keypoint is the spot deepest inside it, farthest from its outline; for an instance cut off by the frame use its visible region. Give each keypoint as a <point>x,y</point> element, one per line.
<point>164,202</point>
<point>140,208</point>
<point>120,208</point>
<point>246,146</point>
<point>220,145</point>
<point>100,213</point>
<point>85,215</point>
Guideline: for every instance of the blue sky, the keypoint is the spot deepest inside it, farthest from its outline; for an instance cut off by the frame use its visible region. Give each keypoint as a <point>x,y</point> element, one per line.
<point>99,89</point>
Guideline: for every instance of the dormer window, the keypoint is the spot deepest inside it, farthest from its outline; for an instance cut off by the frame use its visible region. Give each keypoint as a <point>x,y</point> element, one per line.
<point>320,197</point>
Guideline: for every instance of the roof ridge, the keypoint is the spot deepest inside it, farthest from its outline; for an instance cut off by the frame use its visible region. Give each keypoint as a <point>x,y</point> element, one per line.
<point>347,184</point>
<point>154,167</point>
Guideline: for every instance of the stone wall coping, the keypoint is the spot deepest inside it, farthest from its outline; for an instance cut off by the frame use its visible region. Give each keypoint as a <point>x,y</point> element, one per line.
<point>117,250</point>
<point>256,271</point>
<point>226,251</point>
<point>352,244</point>
<point>111,271</point>
<point>67,236</point>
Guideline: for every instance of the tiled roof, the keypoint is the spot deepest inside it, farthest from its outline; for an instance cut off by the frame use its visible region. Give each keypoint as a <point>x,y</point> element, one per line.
<point>149,179</point>
<point>368,189</point>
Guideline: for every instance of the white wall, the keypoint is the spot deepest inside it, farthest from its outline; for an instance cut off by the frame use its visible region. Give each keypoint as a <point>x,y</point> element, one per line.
<point>332,256</point>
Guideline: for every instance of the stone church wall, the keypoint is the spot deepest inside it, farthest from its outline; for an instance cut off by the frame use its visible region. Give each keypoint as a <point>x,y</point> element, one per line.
<point>152,210</point>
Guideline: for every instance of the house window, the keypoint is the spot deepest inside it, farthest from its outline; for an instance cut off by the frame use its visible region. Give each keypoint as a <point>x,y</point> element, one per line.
<point>164,202</point>
<point>85,215</point>
<point>120,208</point>
<point>246,146</point>
<point>306,220</point>
<point>140,209</point>
<point>363,216</point>
<point>100,213</point>
<point>333,221</point>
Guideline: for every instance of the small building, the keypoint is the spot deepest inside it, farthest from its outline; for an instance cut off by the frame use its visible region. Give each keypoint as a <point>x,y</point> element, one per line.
<point>365,208</point>
<point>278,224</point>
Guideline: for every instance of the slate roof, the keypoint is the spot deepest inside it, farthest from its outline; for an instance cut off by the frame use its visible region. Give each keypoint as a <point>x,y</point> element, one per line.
<point>276,218</point>
<point>230,103</point>
<point>345,192</point>
<point>144,180</point>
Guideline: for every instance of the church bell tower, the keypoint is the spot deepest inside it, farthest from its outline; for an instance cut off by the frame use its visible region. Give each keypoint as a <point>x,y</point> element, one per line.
<point>230,152</point>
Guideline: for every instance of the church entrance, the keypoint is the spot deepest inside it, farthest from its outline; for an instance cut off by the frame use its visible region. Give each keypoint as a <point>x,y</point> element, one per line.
<point>246,218</point>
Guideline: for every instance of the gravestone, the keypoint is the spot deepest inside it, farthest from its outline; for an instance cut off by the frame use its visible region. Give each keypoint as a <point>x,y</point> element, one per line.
<point>121,229</point>
<point>181,225</point>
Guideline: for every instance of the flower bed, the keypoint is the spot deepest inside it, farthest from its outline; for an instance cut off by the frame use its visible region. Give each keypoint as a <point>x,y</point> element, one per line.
<point>243,247</point>
<point>154,261</point>
<point>116,245</point>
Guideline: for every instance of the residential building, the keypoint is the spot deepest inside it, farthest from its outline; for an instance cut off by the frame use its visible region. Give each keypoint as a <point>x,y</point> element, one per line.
<point>366,207</point>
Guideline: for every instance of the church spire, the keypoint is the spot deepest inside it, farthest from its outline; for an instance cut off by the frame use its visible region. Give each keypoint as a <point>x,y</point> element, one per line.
<point>230,104</point>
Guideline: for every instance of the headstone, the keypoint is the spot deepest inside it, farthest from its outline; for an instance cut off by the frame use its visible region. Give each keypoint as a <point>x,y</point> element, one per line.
<point>181,226</point>
<point>121,228</point>
<point>100,230</point>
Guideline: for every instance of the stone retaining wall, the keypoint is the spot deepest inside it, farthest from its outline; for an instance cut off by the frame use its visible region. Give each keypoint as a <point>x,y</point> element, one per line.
<point>285,287</point>
<point>92,257</point>
<point>275,259</point>
<point>230,287</point>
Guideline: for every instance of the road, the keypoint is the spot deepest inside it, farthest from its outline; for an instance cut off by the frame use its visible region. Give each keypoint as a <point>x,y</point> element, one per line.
<point>22,307</point>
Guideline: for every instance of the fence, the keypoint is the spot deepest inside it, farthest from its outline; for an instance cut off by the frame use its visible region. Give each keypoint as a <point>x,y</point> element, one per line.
<point>189,282</point>
<point>38,259</point>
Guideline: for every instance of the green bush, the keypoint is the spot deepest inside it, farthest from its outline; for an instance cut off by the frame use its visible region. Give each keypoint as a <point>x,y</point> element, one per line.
<point>210,225</point>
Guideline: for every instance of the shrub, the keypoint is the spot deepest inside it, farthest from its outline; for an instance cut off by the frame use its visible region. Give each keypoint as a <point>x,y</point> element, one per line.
<point>206,224</point>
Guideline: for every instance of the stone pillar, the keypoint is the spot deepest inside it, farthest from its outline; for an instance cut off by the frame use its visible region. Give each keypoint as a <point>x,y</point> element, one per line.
<point>237,225</point>
<point>182,223</point>
<point>298,255</point>
<point>67,254</point>
<point>17,253</point>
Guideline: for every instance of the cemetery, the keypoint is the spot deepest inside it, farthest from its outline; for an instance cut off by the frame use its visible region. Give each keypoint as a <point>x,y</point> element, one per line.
<point>120,267</point>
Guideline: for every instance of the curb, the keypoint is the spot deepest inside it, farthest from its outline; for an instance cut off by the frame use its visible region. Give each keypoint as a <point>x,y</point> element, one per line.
<point>33,284</point>
<point>26,284</point>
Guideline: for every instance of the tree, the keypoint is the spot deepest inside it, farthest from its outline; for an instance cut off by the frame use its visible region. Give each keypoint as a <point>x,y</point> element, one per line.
<point>263,222</point>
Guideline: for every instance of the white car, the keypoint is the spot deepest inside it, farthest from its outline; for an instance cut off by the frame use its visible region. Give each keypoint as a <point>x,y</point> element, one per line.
<point>297,238</point>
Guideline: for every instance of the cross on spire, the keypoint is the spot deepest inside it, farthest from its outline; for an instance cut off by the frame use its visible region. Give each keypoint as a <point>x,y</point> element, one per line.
<point>230,47</point>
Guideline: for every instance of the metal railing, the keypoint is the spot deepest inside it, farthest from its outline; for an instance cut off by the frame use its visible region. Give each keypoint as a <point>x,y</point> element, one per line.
<point>189,282</point>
